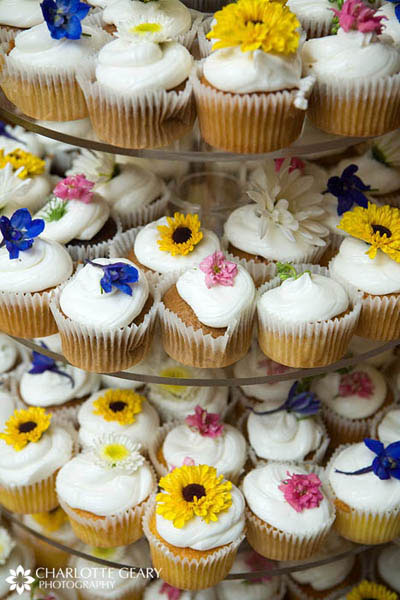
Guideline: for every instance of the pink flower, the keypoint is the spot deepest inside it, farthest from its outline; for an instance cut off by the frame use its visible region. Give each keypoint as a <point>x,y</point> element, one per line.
<point>272,368</point>
<point>172,592</point>
<point>357,383</point>
<point>218,270</point>
<point>256,562</point>
<point>302,491</point>
<point>295,163</point>
<point>186,461</point>
<point>207,424</point>
<point>355,15</point>
<point>76,187</point>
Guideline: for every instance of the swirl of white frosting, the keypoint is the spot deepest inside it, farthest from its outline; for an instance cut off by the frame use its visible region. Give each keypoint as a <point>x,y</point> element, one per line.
<point>177,15</point>
<point>153,592</point>
<point>34,194</point>
<point>9,353</point>
<point>332,219</point>
<point>199,535</point>
<point>53,342</point>
<point>388,567</point>
<point>327,576</point>
<point>50,388</point>
<point>362,492</point>
<point>226,452</point>
<point>352,406</point>
<point>81,128</point>
<point>391,26</point>
<point>220,305</point>
<point>37,461</point>
<point>43,266</point>
<point>360,345</point>
<point>27,140</point>
<point>307,299</point>
<point>8,404</point>
<point>126,67</point>
<point>377,276</point>
<point>103,491</point>
<point>84,300</point>
<point>282,436</point>
<point>142,430</point>
<point>316,10</point>
<point>149,254</point>
<point>64,535</point>
<point>267,502</point>
<point>237,589</point>
<point>380,177</point>
<point>388,429</point>
<point>80,221</point>
<point>20,555</point>
<point>20,13</point>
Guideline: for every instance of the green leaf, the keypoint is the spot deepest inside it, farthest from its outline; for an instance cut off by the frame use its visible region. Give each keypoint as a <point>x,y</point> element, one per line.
<point>54,210</point>
<point>287,271</point>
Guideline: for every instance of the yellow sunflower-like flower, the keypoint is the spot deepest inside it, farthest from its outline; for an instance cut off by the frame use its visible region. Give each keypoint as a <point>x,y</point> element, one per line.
<point>379,226</point>
<point>32,165</point>
<point>193,491</point>
<point>372,591</point>
<point>25,426</point>
<point>51,521</point>
<point>119,405</point>
<point>181,234</point>
<point>256,24</point>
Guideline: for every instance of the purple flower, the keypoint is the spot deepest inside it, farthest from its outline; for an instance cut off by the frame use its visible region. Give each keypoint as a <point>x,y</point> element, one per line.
<point>19,231</point>
<point>385,465</point>
<point>304,403</point>
<point>119,275</point>
<point>41,363</point>
<point>348,189</point>
<point>63,17</point>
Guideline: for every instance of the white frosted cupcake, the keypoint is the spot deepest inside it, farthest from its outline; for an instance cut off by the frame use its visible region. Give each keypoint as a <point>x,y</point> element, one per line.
<point>16,16</point>
<point>11,356</point>
<point>387,567</point>
<point>104,491</point>
<point>12,555</point>
<point>386,425</point>
<point>14,137</point>
<point>289,514</point>
<point>160,590</point>
<point>8,404</point>
<point>117,411</point>
<point>315,16</point>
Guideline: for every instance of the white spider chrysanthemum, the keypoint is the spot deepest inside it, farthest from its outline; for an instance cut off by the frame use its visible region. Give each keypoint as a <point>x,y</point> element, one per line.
<point>98,167</point>
<point>386,149</point>
<point>6,545</point>
<point>149,26</point>
<point>12,187</point>
<point>285,200</point>
<point>115,451</point>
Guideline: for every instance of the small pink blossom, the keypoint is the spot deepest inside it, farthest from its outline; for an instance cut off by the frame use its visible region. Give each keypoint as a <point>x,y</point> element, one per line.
<point>256,562</point>
<point>295,163</point>
<point>76,187</point>
<point>355,15</point>
<point>186,461</point>
<point>172,592</point>
<point>357,383</point>
<point>207,424</point>
<point>302,491</point>
<point>218,270</point>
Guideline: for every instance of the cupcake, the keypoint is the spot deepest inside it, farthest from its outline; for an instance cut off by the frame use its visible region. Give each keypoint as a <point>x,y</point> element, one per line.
<point>369,261</point>
<point>391,26</point>
<point>380,360</point>
<point>249,92</point>
<point>386,425</point>
<point>12,555</point>
<point>207,313</point>
<point>387,567</point>
<point>144,367</point>
<point>355,71</point>
<point>364,479</point>
<point>8,405</point>
<point>15,137</point>
<point>160,590</point>
<point>117,411</point>
<point>11,356</point>
<point>78,218</point>
<point>32,452</point>
<point>105,315</point>
<point>202,438</point>
<point>287,428</point>
<point>350,399</point>
<point>31,268</point>
<point>104,491</point>
<point>288,513</point>
<point>194,527</point>
<point>306,318</point>
<point>16,16</point>
<point>137,89</point>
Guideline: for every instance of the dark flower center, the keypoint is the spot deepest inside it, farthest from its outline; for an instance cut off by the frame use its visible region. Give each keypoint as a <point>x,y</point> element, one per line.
<point>117,406</point>
<point>27,427</point>
<point>181,235</point>
<point>193,490</point>
<point>381,230</point>
<point>255,22</point>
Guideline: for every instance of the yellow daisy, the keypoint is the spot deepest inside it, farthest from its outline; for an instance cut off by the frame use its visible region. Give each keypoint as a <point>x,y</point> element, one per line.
<point>371,591</point>
<point>119,405</point>
<point>256,24</point>
<point>178,373</point>
<point>191,491</point>
<point>181,234</point>
<point>32,165</point>
<point>51,521</point>
<point>379,226</point>
<point>25,426</point>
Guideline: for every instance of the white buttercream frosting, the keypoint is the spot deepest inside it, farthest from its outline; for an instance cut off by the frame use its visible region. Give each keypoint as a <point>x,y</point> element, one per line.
<point>377,276</point>
<point>388,567</point>
<point>34,195</point>
<point>53,342</point>
<point>379,176</point>
<point>103,491</point>
<point>80,128</point>
<point>43,266</point>
<point>9,354</point>
<point>20,13</point>
<point>8,404</point>
<point>314,10</point>
<point>252,589</point>
<point>391,25</point>
<point>176,14</point>
<point>142,430</point>
<point>332,219</point>
<point>360,345</point>
<point>26,140</point>
<point>37,461</point>
<point>149,254</point>
<point>267,502</point>
<point>84,300</point>
<point>199,535</point>
<point>362,492</point>
<point>308,299</point>
<point>153,592</point>
<point>388,429</point>
<point>327,576</point>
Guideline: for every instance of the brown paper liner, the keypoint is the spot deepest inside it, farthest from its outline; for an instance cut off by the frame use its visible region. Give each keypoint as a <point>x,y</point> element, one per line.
<point>348,108</point>
<point>27,499</point>
<point>26,315</point>
<point>380,317</point>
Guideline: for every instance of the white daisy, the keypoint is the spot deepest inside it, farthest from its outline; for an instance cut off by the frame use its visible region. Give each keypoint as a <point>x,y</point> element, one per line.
<point>148,26</point>
<point>98,167</point>
<point>115,451</point>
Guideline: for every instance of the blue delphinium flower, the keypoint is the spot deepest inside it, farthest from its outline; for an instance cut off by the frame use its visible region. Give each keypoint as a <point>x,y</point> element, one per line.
<point>348,189</point>
<point>386,463</point>
<point>20,231</point>
<point>41,363</point>
<point>396,8</point>
<point>300,401</point>
<point>118,275</point>
<point>63,17</point>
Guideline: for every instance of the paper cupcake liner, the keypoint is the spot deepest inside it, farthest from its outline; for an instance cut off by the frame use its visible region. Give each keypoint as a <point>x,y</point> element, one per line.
<point>307,344</point>
<point>184,572</point>
<point>148,120</point>
<point>144,214</point>
<point>380,317</point>
<point>27,315</point>
<point>195,349</point>
<point>100,250</point>
<point>7,34</point>
<point>349,108</point>
<point>27,499</point>
<point>205,45</point>
<point>250,123</point>
<point>103,350</point>
<point>188,39</point>
<point>363,526</point>
<point>377,419</point>
<point>316,28</point>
